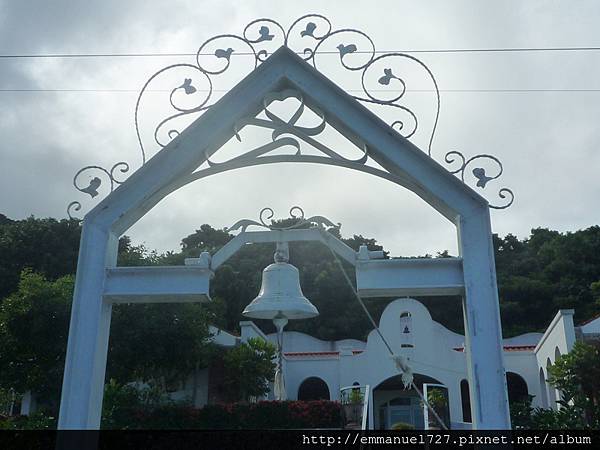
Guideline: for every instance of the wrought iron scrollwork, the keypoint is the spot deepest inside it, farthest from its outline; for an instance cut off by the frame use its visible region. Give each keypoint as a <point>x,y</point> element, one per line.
<point>288,127</point>
<point>94,183</point>
<point>382,83</point>
<point>296,213</point>
<point>307,35</point>
<point>480,173</point>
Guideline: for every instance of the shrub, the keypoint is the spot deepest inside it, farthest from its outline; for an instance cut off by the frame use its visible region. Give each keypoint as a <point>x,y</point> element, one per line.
<point>231,416</point>
<point>36,421</point>
<point>249,368</point>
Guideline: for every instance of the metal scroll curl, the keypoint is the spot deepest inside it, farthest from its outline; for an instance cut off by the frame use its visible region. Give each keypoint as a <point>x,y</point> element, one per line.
<point>296,214</point>
<point>480,173</point>
<point>307,36</point>
<point>94,182</point>
<point>288,132</point>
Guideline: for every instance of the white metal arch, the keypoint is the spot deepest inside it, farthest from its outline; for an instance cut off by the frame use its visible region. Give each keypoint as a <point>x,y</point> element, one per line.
<point>174,167</point>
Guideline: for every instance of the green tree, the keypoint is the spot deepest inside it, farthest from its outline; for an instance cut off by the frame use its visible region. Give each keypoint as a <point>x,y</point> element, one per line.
<point>546,272</point>
<point>595,288</point>
<point>160,342</point>
<point>33,335</point>
<point>577,376</point>
<point>249,368</point>
<point>47,246</point>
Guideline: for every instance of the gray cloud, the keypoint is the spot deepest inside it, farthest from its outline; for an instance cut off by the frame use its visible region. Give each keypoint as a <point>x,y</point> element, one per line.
<point>547,141</point>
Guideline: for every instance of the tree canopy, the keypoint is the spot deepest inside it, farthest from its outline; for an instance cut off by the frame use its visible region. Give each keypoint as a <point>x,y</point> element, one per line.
<point>544,273</point>
<point>249,368</point>
<point>34,325</point>
<point>536,276</point>
<point>148,342</point>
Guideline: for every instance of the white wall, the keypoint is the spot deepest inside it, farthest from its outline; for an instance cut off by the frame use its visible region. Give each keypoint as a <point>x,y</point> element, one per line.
<point>433,354</point>
<point>558,338</point>
<point>591,327</point>
<point>342,363</point>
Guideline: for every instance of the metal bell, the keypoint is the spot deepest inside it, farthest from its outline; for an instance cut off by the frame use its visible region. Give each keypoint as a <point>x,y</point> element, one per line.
<point>280,293</point>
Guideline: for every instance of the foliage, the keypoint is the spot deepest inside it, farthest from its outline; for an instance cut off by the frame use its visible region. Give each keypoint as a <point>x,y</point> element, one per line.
<point>124,404</point>
<point>47,246</point>
<point>536,276</point>
<point>595,288</point>
<point>521,414</point>
<point>545,272</point>
<point>438,401</point>
<point>232,416</point>
<point>356,396</point>
<point>157,341</point>
<point>39,420</point>
<point>6,400</point>
<point>33,334</point>
<point>136,255</point>
<point>249,368</point>
<point>525,417</point>
<point>577,375</point>
<point>148,342</point>
<point>119,405</point>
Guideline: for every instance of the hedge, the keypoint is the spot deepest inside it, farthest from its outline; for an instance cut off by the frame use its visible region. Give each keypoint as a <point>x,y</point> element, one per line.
<point>235,416</point>
<point>232,416</point>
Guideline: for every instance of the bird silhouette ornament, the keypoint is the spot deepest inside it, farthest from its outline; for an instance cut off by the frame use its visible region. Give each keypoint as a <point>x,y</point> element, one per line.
<point>264,34</point>
<point>187,86</point>
<point>310,30</point>
<point>221,53</point>
<point>92,189</point>
<point>482,178</point>
<point>345,49</point>
<point>387,77</point>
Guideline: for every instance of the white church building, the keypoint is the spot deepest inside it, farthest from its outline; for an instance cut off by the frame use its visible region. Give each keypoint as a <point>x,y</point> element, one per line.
<point>316,369</point>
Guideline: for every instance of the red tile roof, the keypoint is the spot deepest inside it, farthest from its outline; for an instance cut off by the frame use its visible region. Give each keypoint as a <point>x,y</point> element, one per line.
<point>311,353</point>
<point>589,320</point>
<point>507,348</point>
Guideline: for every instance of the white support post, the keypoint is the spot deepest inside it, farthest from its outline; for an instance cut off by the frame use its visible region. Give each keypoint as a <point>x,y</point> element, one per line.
<point>85,365</point>
<point>483,333</point>
<point>371,410</point>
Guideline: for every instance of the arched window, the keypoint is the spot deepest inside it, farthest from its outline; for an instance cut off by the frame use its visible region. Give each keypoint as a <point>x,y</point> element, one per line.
<point>466,401</point>
<point>313,388</point>
<point>551,391</point>
<point>406,338</point>
<point>517,387</point>
<point>543,390</point>
<point>559,394</point>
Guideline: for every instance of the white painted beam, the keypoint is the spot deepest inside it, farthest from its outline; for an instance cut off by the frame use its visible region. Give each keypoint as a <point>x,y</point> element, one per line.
<point>410,277</point>
<point>483,332</point>
<point>151,284</point>
<point>87,347</point>
<point>254,237</point>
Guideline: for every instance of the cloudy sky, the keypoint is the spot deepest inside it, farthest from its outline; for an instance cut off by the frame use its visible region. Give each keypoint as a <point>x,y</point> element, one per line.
<point>536,111</point>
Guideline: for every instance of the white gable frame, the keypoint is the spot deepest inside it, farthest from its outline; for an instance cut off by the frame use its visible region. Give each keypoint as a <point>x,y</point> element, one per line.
<point>173,166</point>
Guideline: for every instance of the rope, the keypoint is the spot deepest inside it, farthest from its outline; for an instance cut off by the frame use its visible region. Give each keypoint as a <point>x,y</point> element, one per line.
<point>362,304</point>
<point>279,381</point>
